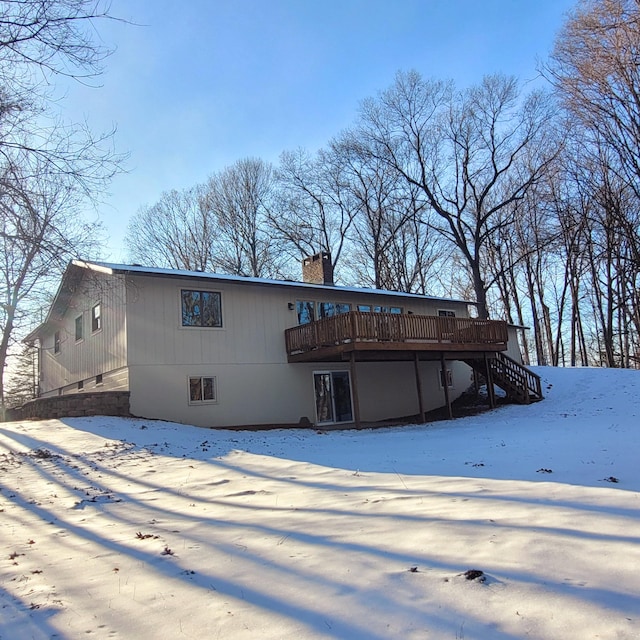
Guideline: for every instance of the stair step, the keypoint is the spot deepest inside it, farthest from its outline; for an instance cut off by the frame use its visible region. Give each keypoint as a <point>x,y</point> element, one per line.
<point>518,382</point>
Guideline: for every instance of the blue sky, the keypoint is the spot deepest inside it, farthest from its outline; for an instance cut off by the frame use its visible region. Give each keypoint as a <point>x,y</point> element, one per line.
<point>200,84</point>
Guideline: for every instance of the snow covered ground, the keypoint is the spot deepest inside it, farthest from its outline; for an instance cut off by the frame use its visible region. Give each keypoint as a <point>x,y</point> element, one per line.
<point>114,528</point>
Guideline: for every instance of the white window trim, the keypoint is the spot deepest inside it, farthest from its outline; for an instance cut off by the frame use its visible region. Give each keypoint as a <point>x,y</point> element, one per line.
<point>447,313</point>
<point>101,317</point>
<point>449,378</point>
<point>199,403</point>
<point>192,328</point>
<point>81,338</point>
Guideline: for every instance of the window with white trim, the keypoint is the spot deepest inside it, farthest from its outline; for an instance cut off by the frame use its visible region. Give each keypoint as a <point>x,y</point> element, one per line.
<point>449,377</point>
<point>79,328</point>
<point>202,389</point>
<point>446,313</point>
<point>96,318</point>
<point>201,308</point>
<point>379,309</point>
<point>306,311</point>
<point>56,342</point>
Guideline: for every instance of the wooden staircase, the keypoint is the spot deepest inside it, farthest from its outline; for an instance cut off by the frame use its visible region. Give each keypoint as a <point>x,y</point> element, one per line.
<point>519,383</point>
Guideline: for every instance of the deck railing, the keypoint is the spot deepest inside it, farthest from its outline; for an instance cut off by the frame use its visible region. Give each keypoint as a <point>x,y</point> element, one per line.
<point>358,326</point>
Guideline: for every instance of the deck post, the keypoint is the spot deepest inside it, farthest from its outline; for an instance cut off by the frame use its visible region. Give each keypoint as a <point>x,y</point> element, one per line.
<point>490,389</point>
<point>445,385</point>
<point>476,383</point>
<point>354,390</point>
<point>416,365</point>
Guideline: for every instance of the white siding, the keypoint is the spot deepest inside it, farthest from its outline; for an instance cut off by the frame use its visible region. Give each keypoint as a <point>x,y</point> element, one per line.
<point>388,389</point>
<point>254,319</point>
<point>98,352</point>
<point>284,393</point>
<point>247,356</point>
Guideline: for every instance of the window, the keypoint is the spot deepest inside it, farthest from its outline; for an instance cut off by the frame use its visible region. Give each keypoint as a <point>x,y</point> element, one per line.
<point>326,309</point>
<point>309,311</point>
<point>449,377</point>
<point>96,318</point>
<point>79,328</point>
<point>98,379</point>
<point>305,310</point>
<point>366,308</point>
<point>333,396</point>
<point>388,309</point>
<point>446,313</point>
<point>81,385</point>
<point>202,389</point>
<point>56,342</point>
<point>201,308</point>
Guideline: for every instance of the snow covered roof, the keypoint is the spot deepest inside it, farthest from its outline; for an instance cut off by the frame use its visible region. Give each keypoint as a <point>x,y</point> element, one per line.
<point>74,272</point>
<point>112,268</point>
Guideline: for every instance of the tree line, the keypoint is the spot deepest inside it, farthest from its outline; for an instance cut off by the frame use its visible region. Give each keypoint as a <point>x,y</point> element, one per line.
<point>524,201</point>
<point>50,167</point>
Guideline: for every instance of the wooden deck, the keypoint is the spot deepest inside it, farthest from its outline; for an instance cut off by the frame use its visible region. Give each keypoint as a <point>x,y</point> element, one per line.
<point>387,336</point>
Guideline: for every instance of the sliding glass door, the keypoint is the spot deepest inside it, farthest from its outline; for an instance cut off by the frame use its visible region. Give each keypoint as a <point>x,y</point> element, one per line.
<point>333,396</point>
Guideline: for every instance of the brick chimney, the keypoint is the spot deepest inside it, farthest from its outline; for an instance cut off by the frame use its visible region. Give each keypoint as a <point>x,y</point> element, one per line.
<point>318,269</point>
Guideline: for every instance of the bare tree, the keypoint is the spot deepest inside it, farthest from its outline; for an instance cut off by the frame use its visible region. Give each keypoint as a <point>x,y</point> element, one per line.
<point>176,232</point>
<point>51,37</point>
<point>316,206</point>
<point>472,154</point>
<point>41,40</point>
<point>389,248</point>
<point>218,226</point>
<point>48,167</point>
<point>595,69</point>
<point>39,233</point>
<point>241,201</point>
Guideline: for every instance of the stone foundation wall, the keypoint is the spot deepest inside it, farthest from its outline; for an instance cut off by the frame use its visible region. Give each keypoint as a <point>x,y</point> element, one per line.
<point>106,403</point>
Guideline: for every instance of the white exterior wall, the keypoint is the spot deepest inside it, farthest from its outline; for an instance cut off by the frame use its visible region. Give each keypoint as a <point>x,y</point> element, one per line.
<point>101,352</point>
<point>388,389</point>
<point>247,356</point>
<point>117,380</point>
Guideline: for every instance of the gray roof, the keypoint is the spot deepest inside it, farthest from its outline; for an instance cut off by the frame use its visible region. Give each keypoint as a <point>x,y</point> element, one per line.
<point>76,267</point>
<point>110,268</point>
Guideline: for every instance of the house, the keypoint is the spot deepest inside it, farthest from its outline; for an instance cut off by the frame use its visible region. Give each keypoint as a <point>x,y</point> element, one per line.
<point>224,351</point>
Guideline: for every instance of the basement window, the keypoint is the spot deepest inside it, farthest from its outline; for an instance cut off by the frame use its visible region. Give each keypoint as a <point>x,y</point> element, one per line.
<point>449,377</point>
<point>202,390</point>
